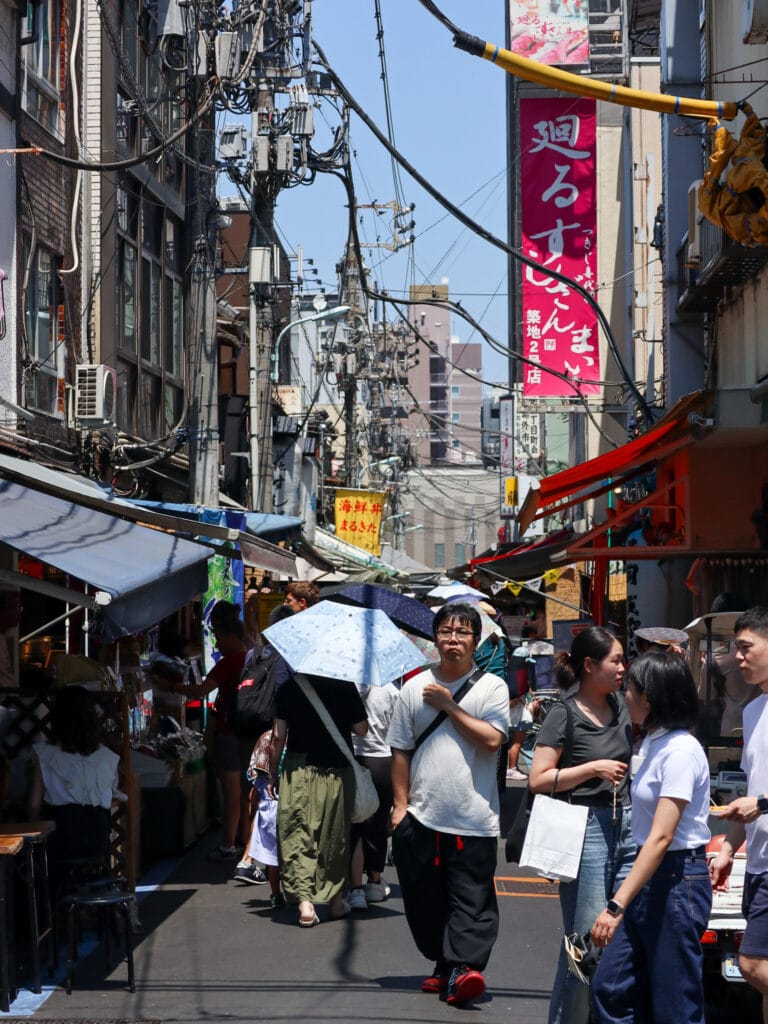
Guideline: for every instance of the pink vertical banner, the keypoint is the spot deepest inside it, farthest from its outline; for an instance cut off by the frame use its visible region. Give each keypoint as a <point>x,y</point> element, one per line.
<point>559,230</point>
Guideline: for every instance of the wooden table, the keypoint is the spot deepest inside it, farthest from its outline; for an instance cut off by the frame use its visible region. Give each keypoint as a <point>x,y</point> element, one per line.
<point>9,847</point>
<point>34,873</point>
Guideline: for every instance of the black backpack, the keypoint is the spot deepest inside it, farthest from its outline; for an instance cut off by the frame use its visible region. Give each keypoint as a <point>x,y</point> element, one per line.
<point>252,710</point>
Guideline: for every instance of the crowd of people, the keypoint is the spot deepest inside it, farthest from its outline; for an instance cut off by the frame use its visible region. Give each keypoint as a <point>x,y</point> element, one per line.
<point>619,742</point>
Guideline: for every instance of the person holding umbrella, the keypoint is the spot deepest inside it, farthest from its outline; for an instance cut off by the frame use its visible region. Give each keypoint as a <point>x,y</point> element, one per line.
<point>317,787</point>
<point>329,648</point>
<point>447,727</point>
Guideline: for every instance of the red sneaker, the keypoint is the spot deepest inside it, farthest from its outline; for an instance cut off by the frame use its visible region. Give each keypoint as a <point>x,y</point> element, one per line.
<point>464,985</point>
<point>437,981</point>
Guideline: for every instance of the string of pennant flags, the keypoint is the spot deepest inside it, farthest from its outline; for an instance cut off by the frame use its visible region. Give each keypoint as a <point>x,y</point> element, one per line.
<point>515,586</point>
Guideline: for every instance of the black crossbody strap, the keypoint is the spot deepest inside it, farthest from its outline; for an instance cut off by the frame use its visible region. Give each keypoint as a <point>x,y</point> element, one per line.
<point>567,751</point>
<point>568,748</point>
<point>442,715</point>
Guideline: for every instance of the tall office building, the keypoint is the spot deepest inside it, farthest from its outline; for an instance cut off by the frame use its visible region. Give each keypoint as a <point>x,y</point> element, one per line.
<point>445,387</point>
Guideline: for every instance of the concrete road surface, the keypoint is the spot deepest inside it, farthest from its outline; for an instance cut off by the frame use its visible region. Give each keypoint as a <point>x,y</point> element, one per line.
<point>212,950</point>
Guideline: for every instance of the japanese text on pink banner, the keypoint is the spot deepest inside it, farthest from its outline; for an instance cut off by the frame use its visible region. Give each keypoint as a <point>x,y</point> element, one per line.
<point>559,230</point>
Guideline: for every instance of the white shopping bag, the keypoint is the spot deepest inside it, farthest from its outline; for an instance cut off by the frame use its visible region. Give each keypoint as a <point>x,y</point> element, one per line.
<point>555,838</point>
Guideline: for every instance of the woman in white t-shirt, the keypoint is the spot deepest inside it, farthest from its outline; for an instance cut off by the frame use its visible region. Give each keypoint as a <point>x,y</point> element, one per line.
<point>75,778</point>
<point>652,927</point>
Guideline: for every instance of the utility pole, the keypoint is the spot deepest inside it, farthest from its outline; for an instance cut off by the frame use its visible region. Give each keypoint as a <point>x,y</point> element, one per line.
<point>354,360</point>
<point>263,273</point>
<point>279,148</point>
<point>204,356</point>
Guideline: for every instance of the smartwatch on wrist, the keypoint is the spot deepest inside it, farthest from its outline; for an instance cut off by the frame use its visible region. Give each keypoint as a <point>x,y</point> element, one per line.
<point>614,908</point>
<point>762,804</point>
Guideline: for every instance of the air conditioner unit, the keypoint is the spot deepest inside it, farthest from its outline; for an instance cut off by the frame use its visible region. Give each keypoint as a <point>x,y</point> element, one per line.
<point>693,257</point>
<point>95,395</point>
<point>755,22</point>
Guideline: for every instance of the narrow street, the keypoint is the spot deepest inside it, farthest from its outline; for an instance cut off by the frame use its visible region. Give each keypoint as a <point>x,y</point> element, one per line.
<point>212,950</point>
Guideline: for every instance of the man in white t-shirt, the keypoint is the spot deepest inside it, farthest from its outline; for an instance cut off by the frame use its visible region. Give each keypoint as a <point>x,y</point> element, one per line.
<point>749,814</point>
<point>445,815</point>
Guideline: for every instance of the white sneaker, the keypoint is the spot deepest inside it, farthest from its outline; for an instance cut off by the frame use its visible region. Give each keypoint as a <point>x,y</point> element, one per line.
<point>377,892</point>
<point>357,900</point>
<point>515,775</point>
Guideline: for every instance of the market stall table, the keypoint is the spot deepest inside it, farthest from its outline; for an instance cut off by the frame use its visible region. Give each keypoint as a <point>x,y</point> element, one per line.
<point>9,847</point>
<point>34,874</point>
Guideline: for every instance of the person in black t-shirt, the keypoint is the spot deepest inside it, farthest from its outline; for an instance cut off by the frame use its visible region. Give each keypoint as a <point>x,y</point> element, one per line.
<point>595,772</point>
<point>317,790</point>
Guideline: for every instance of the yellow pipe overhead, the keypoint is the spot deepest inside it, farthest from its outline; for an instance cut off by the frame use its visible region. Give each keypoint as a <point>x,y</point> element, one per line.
<point>555,78</point>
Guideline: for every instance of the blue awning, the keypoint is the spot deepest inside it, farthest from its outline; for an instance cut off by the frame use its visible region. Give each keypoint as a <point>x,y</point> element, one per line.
<point>260,524</point>
<point>147,573</point>
<point>274,527</point>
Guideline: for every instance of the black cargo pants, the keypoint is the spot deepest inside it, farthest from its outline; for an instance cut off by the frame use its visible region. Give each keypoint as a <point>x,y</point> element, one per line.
<point>448,892</point>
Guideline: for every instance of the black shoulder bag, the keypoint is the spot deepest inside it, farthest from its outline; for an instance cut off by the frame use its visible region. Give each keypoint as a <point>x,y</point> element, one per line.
<point>441,716</point>
<point>513,846</point>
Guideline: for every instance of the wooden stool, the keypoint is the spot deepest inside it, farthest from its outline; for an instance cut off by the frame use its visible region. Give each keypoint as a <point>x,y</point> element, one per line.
<point>9,847</point>
<point>34,874</point>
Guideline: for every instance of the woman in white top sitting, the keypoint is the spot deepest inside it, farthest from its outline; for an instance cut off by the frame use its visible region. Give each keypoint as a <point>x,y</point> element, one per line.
<point>651,967</point>
<point>75,778</point>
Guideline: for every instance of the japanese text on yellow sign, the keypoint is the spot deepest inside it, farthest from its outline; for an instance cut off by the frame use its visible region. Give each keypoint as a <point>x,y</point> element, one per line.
<point>358,518</point>
<point>510,490</point>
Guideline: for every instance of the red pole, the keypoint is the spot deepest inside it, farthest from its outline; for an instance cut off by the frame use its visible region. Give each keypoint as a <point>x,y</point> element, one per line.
<point>599,586</point>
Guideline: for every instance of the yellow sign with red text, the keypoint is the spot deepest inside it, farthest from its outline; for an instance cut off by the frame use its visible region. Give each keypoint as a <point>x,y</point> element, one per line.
<point>358,518</point>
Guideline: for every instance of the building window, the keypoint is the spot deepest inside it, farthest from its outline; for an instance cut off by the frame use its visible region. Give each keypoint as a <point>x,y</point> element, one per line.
<point>458,554</point>
<point>126,295</point>
<point>42,60</point>
<point>44,330</point>
<point>149,310</point>
<point>455,417</point>
<point>455,390</point>
<point>439,556</point>
<point>127,393</point>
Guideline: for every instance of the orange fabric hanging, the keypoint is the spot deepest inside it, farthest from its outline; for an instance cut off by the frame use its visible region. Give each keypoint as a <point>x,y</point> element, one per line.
<point>739,205</point>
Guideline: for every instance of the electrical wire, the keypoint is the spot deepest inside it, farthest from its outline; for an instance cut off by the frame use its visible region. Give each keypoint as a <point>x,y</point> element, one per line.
<point>134,161</point>
<point>488,236</point>
<point>498,347</point>
<point>485,518</point>
<point>452,307</point>
<point>453,493</point>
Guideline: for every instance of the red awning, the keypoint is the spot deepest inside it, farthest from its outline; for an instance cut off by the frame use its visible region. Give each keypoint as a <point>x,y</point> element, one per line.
<point>526,560</point>
<point>580,483</point>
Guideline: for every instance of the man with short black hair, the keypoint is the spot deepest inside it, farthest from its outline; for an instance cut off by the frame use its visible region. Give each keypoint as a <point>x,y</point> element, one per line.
<point>749,814</point>
<point>445,816</point>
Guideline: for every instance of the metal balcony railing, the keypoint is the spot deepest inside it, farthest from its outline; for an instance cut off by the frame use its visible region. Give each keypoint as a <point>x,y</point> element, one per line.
<point>725,262</point>
<point>722,263</point>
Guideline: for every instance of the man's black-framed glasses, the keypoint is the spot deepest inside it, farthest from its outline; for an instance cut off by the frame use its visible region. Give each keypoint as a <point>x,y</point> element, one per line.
<point>446,632</point>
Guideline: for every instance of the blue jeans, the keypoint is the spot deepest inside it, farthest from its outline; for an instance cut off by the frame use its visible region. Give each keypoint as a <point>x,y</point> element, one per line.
<point>608,854</point>
<point>651,969</point>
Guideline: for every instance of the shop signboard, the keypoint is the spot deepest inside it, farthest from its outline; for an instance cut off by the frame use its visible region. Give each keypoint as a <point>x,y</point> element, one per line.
<point>559,231</point>
<point>358,518</point>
